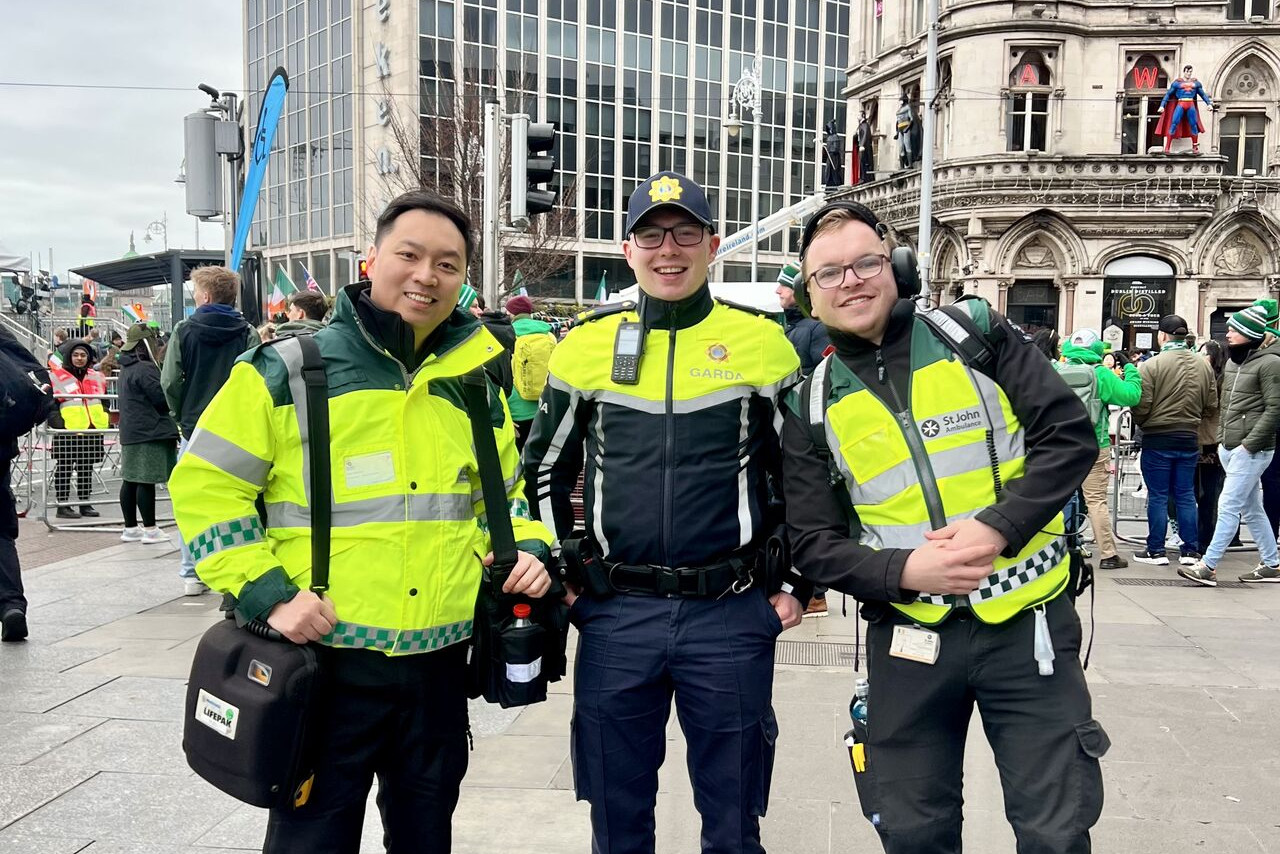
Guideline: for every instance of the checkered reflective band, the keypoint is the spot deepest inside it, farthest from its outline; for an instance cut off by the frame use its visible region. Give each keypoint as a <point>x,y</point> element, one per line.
<point>226,535</point>
<point>356,636</point>
<point>1006,580</point>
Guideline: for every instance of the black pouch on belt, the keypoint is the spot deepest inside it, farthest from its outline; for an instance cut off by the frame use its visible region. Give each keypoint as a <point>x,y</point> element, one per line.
<point>584,567</point>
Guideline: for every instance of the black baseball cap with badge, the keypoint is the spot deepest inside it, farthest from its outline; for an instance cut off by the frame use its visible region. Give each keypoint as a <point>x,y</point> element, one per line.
<point>668,189</point>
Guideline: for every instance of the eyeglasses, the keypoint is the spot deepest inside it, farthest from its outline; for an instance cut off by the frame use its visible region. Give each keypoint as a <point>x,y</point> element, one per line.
<point>834,275</point>
<point>653,236</point>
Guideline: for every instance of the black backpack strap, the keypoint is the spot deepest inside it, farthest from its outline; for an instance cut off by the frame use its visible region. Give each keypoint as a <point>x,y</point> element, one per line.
<point>321,498</point>
<point>955,328</point>
<point>476,391</point>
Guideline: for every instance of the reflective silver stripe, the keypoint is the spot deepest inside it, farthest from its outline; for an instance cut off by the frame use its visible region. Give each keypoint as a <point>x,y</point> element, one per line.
<point>291,353</point>
<point>905,536</point>
<point>1009,579</point>
<point>745,528</point>
<point>817,382</point>
<point>229,457</point>
<point>418,507</point>
<point>597,508</point>
<point>954,330</point>
<point>680,407</point>
<point>555,448</point>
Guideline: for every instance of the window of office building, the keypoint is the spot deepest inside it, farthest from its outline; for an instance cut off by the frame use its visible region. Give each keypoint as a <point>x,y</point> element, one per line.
<point>1028,102</point>
<point>1242,140</point>
<point>1144,86</point>
<point>1243,10</point>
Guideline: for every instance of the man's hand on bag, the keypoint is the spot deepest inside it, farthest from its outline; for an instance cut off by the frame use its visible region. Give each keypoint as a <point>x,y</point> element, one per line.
<point>528,577</point>
<point>571,594</point>
<point>941,567</point>
<point>305,617</point>
<point>788,608</point>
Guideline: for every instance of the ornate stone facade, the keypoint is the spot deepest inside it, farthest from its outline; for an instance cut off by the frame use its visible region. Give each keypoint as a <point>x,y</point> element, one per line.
<point>1051,197</point>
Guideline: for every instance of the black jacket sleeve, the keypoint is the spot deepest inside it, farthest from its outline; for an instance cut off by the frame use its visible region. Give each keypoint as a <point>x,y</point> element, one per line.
<point>553,458</point>
<point>820,544</point>
<point>1061,445</point>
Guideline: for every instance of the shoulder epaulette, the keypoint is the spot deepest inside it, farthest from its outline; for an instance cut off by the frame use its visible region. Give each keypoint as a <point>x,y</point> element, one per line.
<point>749,309</point>
<point>605,310</point>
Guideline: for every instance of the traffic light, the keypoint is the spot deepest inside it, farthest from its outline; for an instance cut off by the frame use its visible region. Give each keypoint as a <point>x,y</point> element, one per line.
<point>532,164</point>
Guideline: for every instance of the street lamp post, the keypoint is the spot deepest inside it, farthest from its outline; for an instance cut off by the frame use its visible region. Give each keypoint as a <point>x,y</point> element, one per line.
<point>160,227</point>
<point>746,96</point>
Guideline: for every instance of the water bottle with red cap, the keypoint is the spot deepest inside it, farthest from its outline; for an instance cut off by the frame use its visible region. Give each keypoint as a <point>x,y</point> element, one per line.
<point>522,644</point>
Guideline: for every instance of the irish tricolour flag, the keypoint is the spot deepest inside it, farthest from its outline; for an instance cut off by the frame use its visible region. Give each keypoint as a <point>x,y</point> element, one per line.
<point>281,287</point>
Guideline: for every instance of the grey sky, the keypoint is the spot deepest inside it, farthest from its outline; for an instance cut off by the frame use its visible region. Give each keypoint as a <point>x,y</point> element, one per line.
<point>81,168</point>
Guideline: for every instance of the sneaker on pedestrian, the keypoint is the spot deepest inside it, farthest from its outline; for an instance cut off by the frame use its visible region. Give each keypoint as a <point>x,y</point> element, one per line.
<point>67,513</point>
<point>1113,562</point>
<point>13,625</point>
<point>150,536</point>
<point>1201,573</point>
<point>817,607</point>
<point>131,535</point>
<point>88,510</point>
<point>1189,558</point>
<point>1153,558</point>
<point>194,587</point>
<point>1262,573</point>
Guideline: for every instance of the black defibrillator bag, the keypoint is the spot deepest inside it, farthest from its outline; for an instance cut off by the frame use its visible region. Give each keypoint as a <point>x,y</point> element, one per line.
<point>252,692</point>
<point>512,658</point>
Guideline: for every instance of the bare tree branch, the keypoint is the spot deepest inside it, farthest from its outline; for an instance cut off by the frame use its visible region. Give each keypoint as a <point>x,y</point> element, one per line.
<point>444,152</point>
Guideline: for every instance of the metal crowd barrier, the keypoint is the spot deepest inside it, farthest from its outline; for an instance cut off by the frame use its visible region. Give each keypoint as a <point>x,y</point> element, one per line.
<point>1128,496</point>
<point>78,468</point>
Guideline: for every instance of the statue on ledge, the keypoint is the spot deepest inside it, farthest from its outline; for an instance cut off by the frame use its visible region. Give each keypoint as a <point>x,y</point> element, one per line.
<point>1185,120</point>
<point>907,132</point>
<point>866,165</point>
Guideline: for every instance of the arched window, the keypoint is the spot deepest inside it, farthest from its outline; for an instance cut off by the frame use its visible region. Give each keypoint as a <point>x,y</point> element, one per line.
<point>1144,86</point>
<point>1029,88</point>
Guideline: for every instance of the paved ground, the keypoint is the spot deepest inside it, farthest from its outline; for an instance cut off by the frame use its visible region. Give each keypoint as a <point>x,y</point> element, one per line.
<point>1186,680</point>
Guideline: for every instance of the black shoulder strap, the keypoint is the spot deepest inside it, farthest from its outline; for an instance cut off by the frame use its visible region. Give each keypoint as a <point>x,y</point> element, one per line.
<point>955,328</point>
<point>476,390</point>
<point>321,498</point>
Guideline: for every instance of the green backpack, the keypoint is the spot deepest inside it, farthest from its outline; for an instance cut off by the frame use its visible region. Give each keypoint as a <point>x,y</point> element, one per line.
<point>1083,380</point>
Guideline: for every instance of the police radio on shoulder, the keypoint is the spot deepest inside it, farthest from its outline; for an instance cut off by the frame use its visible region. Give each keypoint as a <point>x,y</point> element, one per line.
<point>628,347</point>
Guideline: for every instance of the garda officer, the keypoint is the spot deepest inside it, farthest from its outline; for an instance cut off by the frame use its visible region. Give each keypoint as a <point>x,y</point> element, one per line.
<point>678,437</point>
<point>406,538</point>
<point>945,521</point>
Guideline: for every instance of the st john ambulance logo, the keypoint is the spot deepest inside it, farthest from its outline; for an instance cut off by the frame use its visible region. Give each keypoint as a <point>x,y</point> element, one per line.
<point>930,428</point>
<point>717,352</point>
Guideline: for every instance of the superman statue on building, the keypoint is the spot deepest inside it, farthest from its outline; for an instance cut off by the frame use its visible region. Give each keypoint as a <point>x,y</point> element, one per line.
<point>1186,118</point>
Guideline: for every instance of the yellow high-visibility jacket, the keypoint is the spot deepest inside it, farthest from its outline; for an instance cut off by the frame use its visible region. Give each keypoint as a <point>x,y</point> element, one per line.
<point>408,514</point>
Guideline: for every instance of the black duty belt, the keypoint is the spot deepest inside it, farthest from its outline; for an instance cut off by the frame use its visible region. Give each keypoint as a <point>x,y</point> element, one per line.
<point>733,575</point>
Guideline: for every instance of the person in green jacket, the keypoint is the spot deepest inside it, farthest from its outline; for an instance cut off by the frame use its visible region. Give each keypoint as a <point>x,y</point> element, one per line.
<point>528,364</point>
<point>1086,348</point>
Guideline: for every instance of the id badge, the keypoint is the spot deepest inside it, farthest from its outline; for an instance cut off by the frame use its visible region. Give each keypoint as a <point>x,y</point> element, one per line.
<point>915,644</point>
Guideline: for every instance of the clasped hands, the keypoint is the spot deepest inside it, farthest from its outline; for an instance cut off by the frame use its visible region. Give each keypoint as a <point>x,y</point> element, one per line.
<point>954,559</point>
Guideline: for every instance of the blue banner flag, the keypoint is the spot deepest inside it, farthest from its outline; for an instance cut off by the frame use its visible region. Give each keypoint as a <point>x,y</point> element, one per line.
<point>264,134</point>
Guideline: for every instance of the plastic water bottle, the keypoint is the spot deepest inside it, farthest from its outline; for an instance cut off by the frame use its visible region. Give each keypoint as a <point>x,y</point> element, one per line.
<point>858,708</point>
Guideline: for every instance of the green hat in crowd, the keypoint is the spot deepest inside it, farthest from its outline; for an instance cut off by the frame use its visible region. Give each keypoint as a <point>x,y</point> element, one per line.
<point>466,297</point>
<point>790,276</point>
<point>1255,321</point>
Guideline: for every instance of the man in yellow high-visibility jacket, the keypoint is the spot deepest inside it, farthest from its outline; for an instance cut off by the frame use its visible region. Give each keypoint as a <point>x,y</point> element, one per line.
<point>953,446</point>
<point>407,533</point>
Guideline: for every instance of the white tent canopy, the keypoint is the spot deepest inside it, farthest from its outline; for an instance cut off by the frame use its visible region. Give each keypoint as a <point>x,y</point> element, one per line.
<point>13,263</point>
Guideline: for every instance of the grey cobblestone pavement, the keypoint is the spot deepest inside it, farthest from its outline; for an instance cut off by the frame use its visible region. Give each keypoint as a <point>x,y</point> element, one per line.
<point>1185,679</point>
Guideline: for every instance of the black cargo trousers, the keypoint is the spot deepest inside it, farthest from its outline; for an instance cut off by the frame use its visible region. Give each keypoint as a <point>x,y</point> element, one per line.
<point>1041,729</point>
<point>402,719</point>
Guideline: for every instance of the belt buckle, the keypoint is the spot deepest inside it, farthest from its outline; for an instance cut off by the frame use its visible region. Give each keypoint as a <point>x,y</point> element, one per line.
<point>666,581</point>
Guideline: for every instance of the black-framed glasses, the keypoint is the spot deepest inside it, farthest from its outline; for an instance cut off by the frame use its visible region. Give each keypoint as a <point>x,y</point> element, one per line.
<point>684,234</point>
<point>834,275</point>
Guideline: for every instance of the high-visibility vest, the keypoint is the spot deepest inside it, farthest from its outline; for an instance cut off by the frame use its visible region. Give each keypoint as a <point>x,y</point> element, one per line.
<point>929,465</point>
<point>80,413</point>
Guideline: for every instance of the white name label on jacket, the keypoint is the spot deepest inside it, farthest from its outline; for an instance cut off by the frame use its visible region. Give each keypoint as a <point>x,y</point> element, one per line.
<point>369,469</point>
<point>217,715</point>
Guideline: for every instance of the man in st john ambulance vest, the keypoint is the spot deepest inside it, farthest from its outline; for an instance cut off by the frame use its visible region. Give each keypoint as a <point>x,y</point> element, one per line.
<point>407,542</point>
<point>946,561</point>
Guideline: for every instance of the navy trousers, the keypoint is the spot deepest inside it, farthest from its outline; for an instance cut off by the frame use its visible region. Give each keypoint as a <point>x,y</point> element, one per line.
<point>10,575</point>
<point>715,656</point>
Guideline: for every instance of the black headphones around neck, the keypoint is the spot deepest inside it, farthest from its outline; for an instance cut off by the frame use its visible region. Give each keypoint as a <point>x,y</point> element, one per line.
<point>906,272</point>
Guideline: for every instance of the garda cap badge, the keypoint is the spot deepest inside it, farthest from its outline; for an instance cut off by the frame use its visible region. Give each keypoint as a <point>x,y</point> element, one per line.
<point>717,352</point>
<point>665,189</point>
